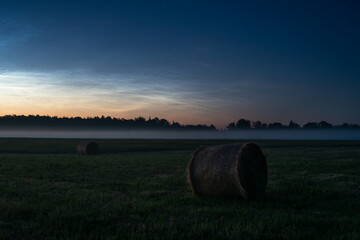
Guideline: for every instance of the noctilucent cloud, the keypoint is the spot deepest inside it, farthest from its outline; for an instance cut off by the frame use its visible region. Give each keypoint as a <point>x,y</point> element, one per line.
<point>208,62</point>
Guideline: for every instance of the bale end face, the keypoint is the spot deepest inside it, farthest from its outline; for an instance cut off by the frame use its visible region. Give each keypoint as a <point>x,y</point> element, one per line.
<point>87,148</point>
<point>252,171</point>
<point>235,170</point>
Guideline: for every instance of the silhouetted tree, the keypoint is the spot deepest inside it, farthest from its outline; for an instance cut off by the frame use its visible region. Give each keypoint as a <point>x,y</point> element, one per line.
<point>345,126</point>
<point>243,124</point>
<point>311,125</point>
<point>231,126</point>
<point>293,125</point>
<point>259,125</point>
<point>140,121</point>
<point>31,121</point>
<point>276,125</point>
<point>175,125</point>
<point>163,123</point>
<point>324,124</point>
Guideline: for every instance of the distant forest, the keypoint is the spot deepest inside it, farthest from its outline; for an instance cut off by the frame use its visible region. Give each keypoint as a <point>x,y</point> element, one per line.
<point>247,124</point>
<point>47,122</point>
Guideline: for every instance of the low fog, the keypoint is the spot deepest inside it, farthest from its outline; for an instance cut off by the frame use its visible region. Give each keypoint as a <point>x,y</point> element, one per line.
<point>299,134</point>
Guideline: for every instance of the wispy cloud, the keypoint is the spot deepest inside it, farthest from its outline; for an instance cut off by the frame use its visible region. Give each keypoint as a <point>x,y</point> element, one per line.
<point>122,95</point>
<point>14,32</point>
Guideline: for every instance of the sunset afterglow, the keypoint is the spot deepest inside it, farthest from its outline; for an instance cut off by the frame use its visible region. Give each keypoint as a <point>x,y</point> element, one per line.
<point>191,62</point>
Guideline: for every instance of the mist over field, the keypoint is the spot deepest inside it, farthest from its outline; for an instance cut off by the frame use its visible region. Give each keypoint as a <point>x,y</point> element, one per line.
<point>283,134</point>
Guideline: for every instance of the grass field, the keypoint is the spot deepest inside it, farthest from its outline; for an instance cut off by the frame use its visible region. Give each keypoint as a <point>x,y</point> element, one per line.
<point>137,189</point>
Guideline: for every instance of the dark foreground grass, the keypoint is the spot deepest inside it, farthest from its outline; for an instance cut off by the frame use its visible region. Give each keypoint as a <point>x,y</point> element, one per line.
<point>137,190</point>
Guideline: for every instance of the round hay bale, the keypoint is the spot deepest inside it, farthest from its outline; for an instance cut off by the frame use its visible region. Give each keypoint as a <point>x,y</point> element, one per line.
<point>234,170</point>
<point>87,148</point>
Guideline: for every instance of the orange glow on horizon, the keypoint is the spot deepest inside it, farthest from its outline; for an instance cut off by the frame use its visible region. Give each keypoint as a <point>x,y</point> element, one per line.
<point>176,118</point>
<point>44,94</point>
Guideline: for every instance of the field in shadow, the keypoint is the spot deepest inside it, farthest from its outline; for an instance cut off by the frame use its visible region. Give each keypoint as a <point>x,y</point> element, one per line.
<point>137,189</point>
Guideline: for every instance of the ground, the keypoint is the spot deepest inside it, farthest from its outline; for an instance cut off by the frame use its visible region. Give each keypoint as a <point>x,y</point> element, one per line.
<point>137,189</point>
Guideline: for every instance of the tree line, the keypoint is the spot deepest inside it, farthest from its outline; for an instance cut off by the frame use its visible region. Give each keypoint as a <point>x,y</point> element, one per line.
<point>247,124</point>
<point>47,122</point>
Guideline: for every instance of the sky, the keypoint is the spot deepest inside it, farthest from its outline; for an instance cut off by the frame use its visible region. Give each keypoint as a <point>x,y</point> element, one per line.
<point>195,62</point>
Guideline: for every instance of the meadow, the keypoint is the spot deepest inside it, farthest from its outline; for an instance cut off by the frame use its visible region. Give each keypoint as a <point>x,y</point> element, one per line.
<point>137,189</point>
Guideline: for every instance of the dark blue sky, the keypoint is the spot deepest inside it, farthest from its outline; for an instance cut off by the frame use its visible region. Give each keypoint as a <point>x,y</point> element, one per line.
<point>189,61</point>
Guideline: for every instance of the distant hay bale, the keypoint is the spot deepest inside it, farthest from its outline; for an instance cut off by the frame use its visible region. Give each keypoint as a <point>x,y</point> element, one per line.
<point>87,148</point>
<point>234,170</point>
